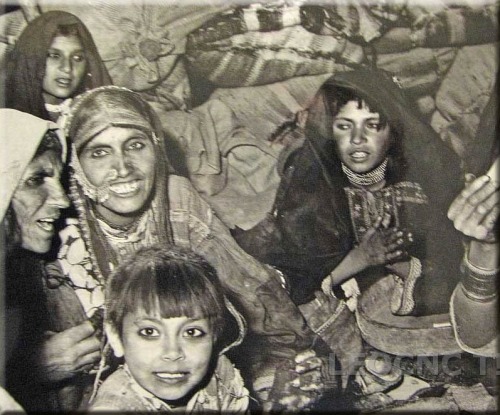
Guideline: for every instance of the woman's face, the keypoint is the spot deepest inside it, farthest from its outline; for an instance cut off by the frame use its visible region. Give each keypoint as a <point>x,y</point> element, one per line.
<point>64,69</point>
<point>121,162</point>
<point>37,202</point>
<point>362,141</point>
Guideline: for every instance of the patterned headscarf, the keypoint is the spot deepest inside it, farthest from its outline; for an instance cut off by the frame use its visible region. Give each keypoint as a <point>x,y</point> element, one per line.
<point>27,62</point>
<point>93,112</point>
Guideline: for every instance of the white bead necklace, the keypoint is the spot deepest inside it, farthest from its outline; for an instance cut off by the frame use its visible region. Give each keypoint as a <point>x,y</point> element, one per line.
<point>366,179</point>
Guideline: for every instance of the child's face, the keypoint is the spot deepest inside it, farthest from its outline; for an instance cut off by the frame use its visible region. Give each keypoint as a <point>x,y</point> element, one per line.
<point>168,357</point>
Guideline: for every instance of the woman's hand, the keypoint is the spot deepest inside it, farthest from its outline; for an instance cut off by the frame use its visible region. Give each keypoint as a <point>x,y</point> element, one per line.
<point>475,210</point>
<point>69,352</point>
<point>381,245</point>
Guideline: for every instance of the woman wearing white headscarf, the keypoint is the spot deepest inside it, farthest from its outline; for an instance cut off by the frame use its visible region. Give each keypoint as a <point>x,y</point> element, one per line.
<point>31,198</point>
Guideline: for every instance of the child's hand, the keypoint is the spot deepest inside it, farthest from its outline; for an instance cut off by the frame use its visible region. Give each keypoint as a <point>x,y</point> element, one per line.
<point>69,352</point>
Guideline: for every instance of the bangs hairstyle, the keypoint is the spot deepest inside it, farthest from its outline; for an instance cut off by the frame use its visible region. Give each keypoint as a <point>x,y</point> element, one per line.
<point>338,96</point>
<point>168,281</point>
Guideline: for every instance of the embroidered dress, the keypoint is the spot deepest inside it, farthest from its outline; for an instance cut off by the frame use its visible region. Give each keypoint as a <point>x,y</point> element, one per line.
<point>318,216</point>
<point>365,207</point>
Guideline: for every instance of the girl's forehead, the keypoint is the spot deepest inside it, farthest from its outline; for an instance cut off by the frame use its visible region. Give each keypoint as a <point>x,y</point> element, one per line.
<point>356,107</point>
<point>156,316</point>
<point>63,42</point>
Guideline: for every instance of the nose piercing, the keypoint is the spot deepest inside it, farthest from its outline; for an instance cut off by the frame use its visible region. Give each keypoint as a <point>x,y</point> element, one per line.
<point>113,174</point>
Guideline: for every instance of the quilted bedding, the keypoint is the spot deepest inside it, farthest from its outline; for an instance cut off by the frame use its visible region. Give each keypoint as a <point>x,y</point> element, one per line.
<point>259,65</point>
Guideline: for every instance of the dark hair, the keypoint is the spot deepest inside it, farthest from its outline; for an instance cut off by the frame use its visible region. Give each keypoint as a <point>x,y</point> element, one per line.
<point>27,61</point>
<point>338,96</point>
<point>67,30</point>
<point>49,142</point>
<point>168,280</point>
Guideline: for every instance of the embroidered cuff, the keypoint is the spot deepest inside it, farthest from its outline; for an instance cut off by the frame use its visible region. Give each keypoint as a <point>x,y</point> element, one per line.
<point>403,301</point>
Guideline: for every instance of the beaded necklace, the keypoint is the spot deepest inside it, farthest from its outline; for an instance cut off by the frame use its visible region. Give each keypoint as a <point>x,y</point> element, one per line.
<point>366,179</point>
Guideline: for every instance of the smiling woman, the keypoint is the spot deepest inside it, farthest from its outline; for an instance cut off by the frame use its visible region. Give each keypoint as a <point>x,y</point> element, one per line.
<point>128,197</point>
<point>120,163</point>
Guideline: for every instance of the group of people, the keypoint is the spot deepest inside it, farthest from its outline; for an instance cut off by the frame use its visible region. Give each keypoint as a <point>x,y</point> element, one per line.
<point>146,301</point>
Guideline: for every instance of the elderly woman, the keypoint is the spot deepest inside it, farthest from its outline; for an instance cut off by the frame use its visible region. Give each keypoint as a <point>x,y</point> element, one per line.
<point>54,59</point>
<point>365,195</point>
<point>38,362</point>
<point>128,196</point>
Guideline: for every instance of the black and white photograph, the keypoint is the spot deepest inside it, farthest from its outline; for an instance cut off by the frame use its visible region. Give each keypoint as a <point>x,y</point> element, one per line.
<point>249,207</point>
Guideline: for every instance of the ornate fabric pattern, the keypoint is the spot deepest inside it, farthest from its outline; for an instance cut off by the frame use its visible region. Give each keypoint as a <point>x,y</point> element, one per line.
<point>365,206</point>
<point>77,268</point>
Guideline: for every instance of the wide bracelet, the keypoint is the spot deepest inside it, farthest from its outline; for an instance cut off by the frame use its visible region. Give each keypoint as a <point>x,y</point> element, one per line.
<point>478,270</point>
<point>479,284</point>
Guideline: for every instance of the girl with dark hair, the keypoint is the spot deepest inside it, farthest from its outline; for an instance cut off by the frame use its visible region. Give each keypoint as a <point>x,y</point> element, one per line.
<point>172,343</point>
<point>366,156</point>
<point>128,196</point>
<point>54,59</point>
<point>364,195</point>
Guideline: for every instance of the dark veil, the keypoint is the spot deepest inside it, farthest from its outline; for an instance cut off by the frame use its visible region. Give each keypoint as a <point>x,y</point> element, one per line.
<point>27,61</point>
<point>309,231</point>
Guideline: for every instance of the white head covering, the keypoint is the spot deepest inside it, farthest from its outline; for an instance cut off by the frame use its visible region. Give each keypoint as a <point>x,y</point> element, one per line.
<point>20,136</point>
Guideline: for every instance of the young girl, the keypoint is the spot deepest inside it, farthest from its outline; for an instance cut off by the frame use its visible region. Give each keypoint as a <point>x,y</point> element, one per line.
<point>166,316</point>
<point>54,59</point>
<point>365,196</point>
<point>366,155</point>
<point>128,196</point>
